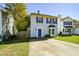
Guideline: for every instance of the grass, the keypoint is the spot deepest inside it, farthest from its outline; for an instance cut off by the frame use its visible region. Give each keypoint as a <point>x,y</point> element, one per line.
<point>14,48</point>
<point>72,38</point>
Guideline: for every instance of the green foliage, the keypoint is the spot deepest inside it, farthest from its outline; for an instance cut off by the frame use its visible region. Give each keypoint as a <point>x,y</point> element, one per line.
<point>18,10</point>
<point>74,20</point>
<point>73,38</point>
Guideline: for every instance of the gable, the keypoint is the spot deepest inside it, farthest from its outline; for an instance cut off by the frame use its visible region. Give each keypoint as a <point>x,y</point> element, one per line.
<point>67,19</point>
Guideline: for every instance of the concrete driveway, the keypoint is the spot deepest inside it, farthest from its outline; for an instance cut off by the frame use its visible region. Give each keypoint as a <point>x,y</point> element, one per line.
<point>52,47</point>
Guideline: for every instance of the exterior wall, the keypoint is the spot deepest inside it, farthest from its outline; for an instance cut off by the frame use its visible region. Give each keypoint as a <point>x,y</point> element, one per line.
<point>59,24</point>
<point>11,24</point>
<point>61,29</point>
<point>62,25</point>
<point>1,26</point>
<point>44,26</point>
<point>68,32</point>
<point>76,31</point>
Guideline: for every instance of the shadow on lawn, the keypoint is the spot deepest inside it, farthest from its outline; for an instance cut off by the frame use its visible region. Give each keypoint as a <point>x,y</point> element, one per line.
<point>13,41</point>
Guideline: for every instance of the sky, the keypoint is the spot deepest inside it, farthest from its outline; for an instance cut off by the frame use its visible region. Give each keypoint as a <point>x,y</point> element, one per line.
<point>55,9</point>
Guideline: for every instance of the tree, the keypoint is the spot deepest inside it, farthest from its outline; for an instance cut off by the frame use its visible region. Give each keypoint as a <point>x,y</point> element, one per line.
<point>19,13</point>
<point>22,24</point>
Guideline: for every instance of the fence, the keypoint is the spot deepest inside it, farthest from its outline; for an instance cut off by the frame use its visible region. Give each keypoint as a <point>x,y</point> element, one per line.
<point>22,35</point>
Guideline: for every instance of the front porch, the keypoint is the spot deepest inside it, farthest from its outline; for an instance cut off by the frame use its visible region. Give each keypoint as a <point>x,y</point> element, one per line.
<point>67,30</point>
<point>52,30</point>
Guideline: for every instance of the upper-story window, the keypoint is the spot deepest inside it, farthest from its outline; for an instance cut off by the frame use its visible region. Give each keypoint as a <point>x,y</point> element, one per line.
<point>54,20</point>
<point>51,20</point>
<point>39,19</point>
<point>67,23</point>
<point>48,20</point>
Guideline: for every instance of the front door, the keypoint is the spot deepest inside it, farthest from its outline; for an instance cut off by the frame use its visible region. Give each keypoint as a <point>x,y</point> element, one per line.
<point>51,32</point>
<point>39,33</point>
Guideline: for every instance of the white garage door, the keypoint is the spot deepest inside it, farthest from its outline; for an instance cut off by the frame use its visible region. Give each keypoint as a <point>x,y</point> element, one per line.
<point>76,31</point>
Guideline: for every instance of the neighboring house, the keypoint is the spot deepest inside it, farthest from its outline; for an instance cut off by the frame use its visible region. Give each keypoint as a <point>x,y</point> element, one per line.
<point>6,25</point>
<point>67,26</point>
<point>42,25</point>
<point>76,27</point>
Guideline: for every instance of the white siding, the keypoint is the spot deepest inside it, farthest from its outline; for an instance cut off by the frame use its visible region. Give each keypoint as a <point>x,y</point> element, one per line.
<point>11,24</point>
<point>59,24</point>
<point>76,31</point>
<point>0,26</point>
<point>44,26</point>
<point>62,25</point>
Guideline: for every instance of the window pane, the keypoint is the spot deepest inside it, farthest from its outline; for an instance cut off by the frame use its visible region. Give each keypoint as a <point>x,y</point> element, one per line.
<point>52,31</point>
<point>36,19</point>
<point>49,31</point>
<point>50,20</point>
<point>67,23</point>
<point>46,20</point>
<point>39,19</point>
<point>54,20</point>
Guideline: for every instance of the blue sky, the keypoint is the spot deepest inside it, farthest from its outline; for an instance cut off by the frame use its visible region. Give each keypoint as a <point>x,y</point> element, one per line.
<point>64,9</point>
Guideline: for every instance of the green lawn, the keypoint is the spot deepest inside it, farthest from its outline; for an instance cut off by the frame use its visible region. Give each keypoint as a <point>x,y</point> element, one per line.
<point>14,48</point>
<point>73,38</point>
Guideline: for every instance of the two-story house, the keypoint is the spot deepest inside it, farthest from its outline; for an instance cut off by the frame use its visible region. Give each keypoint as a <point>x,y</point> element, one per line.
<point>42,25</point>
<point>67,26</point>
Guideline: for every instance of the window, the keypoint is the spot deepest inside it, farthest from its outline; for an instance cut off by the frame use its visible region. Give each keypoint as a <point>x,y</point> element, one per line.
<point>67,23</point>
<point>52,31</point>
<point>54,20</point>
<point>67,30</point>
<point>51,20</point>
<point>49,31</point>
<point>48,20</point>
<point>42,19</point>
<point>39,19</point>
<point>63,30</point>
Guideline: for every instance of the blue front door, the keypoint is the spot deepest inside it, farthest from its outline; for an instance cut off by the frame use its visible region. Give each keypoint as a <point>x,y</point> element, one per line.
<point>39,32</point>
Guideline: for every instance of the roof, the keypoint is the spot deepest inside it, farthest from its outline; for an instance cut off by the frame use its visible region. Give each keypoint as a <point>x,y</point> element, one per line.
<point>43,15</point>
<point>76,24</point>
<point>67,17</point>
